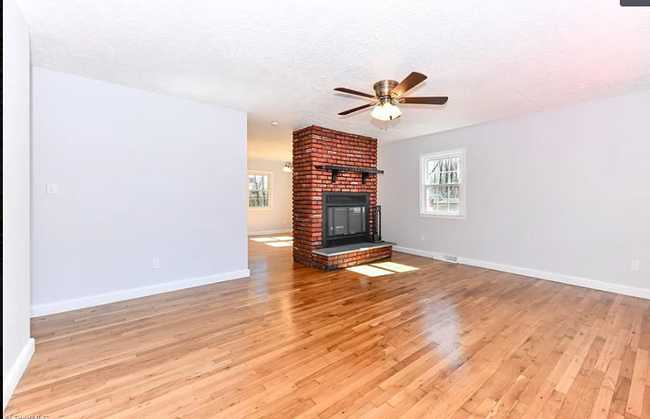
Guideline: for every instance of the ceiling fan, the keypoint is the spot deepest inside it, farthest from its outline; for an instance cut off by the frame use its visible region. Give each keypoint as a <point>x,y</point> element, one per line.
<point>388,94</point>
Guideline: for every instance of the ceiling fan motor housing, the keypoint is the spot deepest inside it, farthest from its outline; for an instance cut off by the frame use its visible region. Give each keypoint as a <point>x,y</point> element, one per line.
<point>384,87</point>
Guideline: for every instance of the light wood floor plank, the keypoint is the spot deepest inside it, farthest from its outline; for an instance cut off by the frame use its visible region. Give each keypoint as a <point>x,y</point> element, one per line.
<point>445,341</point>
<point>638,384</point>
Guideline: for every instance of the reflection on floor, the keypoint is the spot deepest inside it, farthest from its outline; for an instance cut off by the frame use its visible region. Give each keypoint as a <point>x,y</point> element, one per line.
<point>444,341</point>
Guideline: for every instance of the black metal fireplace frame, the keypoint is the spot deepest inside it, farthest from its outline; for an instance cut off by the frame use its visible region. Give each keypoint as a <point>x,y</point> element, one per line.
<point>350,238</point>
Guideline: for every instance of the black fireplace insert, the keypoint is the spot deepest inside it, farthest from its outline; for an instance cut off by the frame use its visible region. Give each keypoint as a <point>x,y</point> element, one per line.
<point>346,218</point>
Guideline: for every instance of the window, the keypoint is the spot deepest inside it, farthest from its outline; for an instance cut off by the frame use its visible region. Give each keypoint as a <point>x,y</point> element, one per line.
<point>442,184</point>
<point>259,190</point>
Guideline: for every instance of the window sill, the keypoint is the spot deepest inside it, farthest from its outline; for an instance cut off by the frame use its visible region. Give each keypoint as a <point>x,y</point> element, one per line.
<point>445,216</point>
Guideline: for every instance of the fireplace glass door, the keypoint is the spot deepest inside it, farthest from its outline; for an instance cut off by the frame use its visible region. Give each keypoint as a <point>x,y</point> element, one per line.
<point>343,221</point>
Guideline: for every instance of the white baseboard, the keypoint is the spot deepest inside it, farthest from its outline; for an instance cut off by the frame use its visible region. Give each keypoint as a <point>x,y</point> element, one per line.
<point>16,372</point>
<point>267,232</point>
<point>96,300</point>
<point>533,273</point>
<point>416,252</point>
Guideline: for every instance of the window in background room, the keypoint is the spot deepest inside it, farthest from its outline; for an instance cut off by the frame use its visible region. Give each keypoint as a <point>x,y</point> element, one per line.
<point>442,184</point>
<point>259,190</point>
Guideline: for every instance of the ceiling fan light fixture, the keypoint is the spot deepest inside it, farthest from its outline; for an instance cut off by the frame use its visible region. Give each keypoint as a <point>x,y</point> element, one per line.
<point>386,111</point>
<point>389,94</point>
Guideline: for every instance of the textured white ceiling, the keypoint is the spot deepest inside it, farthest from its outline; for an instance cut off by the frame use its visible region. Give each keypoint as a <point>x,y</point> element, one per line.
<point>280,60</point>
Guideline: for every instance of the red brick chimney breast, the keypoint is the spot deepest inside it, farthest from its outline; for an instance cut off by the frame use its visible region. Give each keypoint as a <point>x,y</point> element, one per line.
<point>315,146</point>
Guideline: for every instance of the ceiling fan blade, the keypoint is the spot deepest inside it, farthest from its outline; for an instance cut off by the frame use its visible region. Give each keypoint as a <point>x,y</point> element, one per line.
<point>358,108</point>
<point>354,92</point>
<point>408,83</point>
<point>430,100</point>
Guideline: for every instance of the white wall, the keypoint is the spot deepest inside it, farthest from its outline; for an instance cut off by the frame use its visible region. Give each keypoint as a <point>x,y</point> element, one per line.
<point>140,176</point>
<point>278,218</point>
<point>17,347</point>
<point>563,194</point>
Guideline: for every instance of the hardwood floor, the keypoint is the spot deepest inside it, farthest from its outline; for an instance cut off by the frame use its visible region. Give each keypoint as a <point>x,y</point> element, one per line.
<point>444,341</point>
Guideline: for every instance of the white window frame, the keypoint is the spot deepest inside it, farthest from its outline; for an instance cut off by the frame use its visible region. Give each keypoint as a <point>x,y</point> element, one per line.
<point>462,193</point>
<point>260,173</point>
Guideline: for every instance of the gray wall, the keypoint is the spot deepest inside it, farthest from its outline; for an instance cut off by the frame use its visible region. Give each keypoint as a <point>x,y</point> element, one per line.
<point>278,217</point>
<point>140,176</point>
<point>564,192</point>
<point>15,198</point>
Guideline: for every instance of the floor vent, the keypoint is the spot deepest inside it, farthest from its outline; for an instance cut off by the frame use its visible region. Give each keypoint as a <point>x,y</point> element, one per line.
<point>451,259</point>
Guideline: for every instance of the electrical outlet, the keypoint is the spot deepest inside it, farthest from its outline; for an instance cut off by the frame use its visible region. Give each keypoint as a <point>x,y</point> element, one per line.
<point>634,265</point>
<point>422,237</point>
<point>156,263</point>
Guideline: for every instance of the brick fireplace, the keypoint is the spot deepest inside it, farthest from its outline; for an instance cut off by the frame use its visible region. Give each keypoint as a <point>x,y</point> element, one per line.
<point>316,151</point>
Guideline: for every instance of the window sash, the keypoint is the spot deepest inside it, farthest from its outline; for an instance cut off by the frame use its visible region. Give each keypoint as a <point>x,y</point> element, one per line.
<point>259,199</point>
<point>259,190</point>
<point>452,169</point>
<point>447,197</point>
<point>263,184</point>
<point>443,199</point>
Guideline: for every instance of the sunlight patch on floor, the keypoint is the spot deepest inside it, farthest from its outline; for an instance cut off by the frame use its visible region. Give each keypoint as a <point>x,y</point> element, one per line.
<point>395,267</point>
<point>370,271</point>
<point>277,241</point>
<point>280,244</point>
<point>269,240</point>
<point>263,239</point>
<point>382,268</point>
